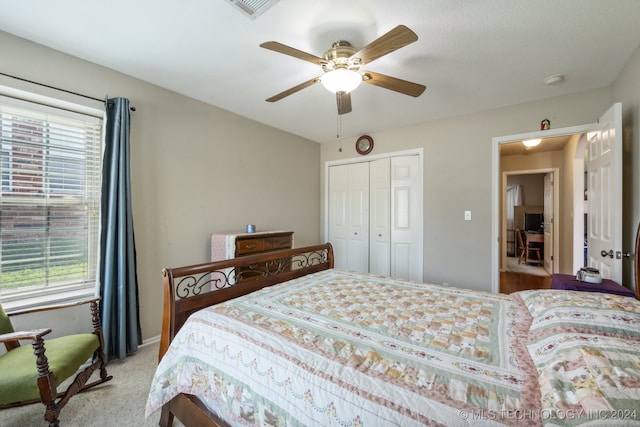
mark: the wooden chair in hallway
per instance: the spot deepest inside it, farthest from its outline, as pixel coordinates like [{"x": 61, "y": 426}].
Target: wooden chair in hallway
[{"x": 525, "y": 249}]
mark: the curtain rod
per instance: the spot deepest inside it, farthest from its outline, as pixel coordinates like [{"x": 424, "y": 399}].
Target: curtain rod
[{"x": 57, "y": 88}]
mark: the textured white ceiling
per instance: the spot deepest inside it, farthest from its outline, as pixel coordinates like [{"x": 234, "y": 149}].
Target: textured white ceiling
[{"x": 471, "y": 55}]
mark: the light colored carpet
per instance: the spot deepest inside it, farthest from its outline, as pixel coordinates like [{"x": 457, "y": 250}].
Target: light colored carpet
[
  {"x": 512, "y": 265},
  {"x": 119, "y": 402}
]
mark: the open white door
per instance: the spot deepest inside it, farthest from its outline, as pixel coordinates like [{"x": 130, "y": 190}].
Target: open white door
[{"x": 604, "y": 187}]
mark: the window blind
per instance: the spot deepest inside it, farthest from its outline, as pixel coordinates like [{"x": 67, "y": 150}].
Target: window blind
[{"x": 50, "y": 167}]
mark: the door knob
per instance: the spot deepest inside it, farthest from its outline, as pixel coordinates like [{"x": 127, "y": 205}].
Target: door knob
[{"x": 607, "y": 254}]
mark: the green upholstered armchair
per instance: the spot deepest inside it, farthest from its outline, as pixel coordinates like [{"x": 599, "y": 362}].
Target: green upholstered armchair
[{"x": 31, "y": 374}]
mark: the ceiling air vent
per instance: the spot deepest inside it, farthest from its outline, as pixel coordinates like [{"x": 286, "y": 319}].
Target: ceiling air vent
[{"x": 253, "y": 8}]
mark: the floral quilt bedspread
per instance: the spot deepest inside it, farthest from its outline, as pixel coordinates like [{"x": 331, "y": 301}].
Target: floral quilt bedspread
[
  {"x": 586, "y": 349},
  {"x": 349, "y": 349}
]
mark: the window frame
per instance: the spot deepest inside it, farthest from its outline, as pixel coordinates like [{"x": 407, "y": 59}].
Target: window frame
[{"x": 34, "y": 296}]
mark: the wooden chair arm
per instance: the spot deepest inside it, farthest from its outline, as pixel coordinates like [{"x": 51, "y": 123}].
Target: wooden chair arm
[
  {"x": 24, "y": 335},
  {"x": 53, "y": 306},
  {"x": 95, "y": 316}
]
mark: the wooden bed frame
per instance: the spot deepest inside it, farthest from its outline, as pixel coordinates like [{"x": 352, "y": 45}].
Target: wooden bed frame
[{"x": 189, "y": 289}]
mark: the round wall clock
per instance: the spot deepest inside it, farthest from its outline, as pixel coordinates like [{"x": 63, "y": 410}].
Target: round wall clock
[{"x": 364, "y": 144}]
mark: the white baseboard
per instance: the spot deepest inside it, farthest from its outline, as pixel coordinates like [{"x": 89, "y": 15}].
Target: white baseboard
[{"x": 150, "y": 341}]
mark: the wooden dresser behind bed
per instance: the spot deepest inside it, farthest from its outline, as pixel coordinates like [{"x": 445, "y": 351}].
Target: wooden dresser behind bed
[{"x": 235, "y": 245}]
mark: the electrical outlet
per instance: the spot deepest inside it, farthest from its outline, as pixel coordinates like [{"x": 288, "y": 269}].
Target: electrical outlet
[{"x": 467, "y": 215}]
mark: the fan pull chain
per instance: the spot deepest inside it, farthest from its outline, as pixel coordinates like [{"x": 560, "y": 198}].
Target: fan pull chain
[{"x": 339, "y": 131}]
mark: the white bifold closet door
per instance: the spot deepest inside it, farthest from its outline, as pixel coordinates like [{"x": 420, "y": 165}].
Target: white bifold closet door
[
  {"x": 349, "y": 215},
  {"x": 380, "y": 217},
  {"x": 375, "y": 216}
]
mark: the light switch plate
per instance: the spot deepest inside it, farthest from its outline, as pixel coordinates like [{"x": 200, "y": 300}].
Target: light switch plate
[{"x": 467, "y": 215}]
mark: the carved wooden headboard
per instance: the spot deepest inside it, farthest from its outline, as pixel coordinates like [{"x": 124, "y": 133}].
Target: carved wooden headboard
[{"x": 191, "y": 288}]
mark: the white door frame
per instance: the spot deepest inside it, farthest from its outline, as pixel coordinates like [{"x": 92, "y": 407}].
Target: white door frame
[
  {"x": 556, "y": 211},
  {"x": 414, "y": 152},
  {"x": 495, "y": 188}
]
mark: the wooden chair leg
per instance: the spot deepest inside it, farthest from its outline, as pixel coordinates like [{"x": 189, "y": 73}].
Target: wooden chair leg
[{"x": 46, "y": 384}]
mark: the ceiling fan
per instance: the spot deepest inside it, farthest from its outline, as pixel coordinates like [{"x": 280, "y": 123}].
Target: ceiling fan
[{"x": 341, "y": 65}]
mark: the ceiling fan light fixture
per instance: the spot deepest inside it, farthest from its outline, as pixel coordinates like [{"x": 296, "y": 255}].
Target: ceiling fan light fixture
[
  {"x": 529, "y": 143},
  {"x": 341, "y": 80}
]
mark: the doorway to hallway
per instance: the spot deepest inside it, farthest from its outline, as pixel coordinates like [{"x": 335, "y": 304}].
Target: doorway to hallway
[{"x": 581, "y": 163}]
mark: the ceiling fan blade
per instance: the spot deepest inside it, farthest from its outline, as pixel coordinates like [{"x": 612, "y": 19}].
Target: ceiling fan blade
[
  {"x": 288, "y": 50},
  {"x": 393, "y": 83},
  {"x": 399, "y": 37},
  {"x": 344, "y": 102},
  {"x": 293, "y": 90}
]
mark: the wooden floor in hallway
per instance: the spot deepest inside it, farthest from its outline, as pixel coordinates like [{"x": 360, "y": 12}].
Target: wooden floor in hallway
[{"x": 514, "y": 281}]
